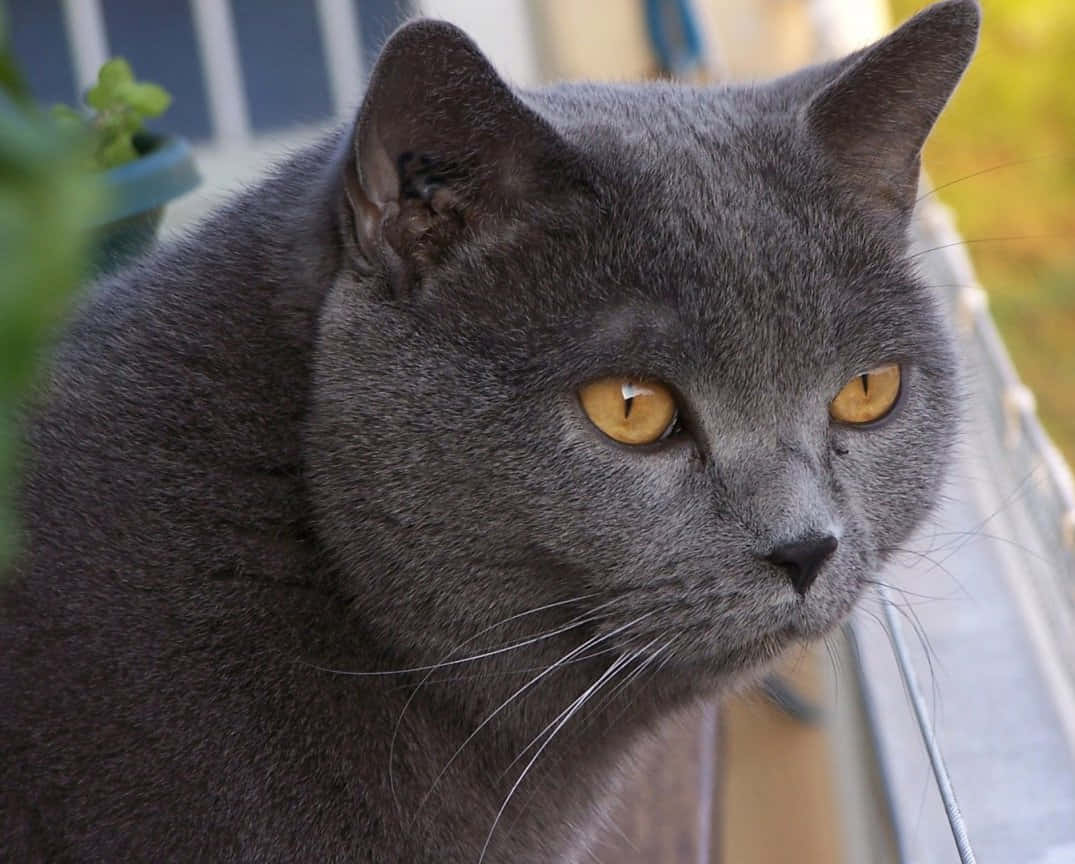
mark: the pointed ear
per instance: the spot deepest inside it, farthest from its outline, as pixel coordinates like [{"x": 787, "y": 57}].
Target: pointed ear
[
  {"x": 873, "y": 117},
  {"x": 442, "y": 145}
]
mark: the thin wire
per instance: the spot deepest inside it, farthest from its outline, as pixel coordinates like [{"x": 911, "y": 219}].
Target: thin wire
[{"x": 936, "y": 758}]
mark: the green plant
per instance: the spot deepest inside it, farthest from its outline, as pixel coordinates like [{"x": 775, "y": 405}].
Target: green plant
[
  {"x": 47, "y": 202},
  {"x": 122, "y": 105}
]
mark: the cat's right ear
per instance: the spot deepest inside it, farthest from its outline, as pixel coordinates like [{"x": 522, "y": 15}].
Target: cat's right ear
[{"x": 442, "y": 147}]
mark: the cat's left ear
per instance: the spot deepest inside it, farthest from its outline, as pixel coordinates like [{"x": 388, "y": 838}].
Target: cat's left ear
[
  {"x": 874, "y": 117},
  {"x": 443, "y": 147}
]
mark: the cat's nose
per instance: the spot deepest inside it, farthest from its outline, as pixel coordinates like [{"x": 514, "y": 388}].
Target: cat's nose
[{"x": 802, "y": 559}]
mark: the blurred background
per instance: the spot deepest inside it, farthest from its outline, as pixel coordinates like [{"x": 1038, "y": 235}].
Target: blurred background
[
  {"x": 1015, "y": 113},
  {"x": 821, "y": 764}
]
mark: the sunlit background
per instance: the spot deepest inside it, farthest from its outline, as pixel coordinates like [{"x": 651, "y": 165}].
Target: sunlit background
[{"x": 1013, "y": 118}]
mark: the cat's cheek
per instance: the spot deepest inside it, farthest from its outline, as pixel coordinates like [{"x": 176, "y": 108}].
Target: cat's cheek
[
  {"x": 862, "y": 497},
  {"x": 840, "y": 443},
  {"x": 892, "y": 481}
]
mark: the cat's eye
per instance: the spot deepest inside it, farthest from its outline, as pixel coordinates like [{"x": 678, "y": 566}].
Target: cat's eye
[
  {"x": 630, "y": 410},
  {"x": 867, "y": 397}
]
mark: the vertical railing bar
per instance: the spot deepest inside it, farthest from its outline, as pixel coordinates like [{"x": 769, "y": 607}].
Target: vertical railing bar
[
  {"x": 936, "y": 758},
  {"x": 219, "y": 49},
  {"x": 342, "y": 46},
  {"x": 87, "y": 39},
  {"x": 707, "y": 747}
]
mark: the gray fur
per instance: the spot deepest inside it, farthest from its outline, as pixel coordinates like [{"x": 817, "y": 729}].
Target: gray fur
[{"x": 335, "y": 428}]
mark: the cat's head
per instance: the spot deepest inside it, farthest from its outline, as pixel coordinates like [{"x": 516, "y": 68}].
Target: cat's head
[{"x": 656, "y": 346}]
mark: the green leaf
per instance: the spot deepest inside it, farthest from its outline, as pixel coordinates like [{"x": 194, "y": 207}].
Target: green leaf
[
  {"x": 110, "y": 79},
  {"x": 114, "y": 73},
  {"x": 47, "y": 204},
  {"x": 65, "y": 113},
  {"x": 68, "y": 119},
  {"x": 149, "y": 100},
  {"x": 10, "y": 80},
  {"x": 99, "y": 98},
  {"x": 118, "y": 151},
  {"x": 118, "y": 120}
]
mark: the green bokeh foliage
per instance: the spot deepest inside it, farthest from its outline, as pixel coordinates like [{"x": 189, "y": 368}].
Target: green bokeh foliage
[{"x": 47, "y": 202}]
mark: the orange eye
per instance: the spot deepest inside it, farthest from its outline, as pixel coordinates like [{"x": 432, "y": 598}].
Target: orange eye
[
  {"x": 867, "y": 397},
  {"x": 630, "y": 410}
]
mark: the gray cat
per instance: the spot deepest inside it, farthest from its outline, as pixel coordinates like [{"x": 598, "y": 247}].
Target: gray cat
[{"x": 383, "y": 516}]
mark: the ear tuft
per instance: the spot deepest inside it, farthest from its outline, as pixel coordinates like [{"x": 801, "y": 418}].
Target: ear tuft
[
  {"x": 873, "y": 119},
  {"x": 441, "y": 143}
]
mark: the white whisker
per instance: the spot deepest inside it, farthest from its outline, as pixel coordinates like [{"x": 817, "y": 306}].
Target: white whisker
[
  {"x": 432, "y": 669},
  {"x": 593, "y": 640},
  {"x": 573, "y": 709},
  {"x": 631, "y": 657}
]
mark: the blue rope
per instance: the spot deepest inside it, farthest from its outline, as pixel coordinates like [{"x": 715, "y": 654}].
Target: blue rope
[{"x": 676, "y": 36}]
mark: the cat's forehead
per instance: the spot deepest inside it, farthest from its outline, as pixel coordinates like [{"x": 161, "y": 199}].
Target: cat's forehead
[
  {"x": 708, "y": 205},
  {"x": 637, "y": 127},
  {"x": 714, "y": 178},
  {"x": 709, "y": 240}
]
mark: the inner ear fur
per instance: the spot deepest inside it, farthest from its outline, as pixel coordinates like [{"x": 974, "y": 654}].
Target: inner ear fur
[{"x": 442, "y": 144}]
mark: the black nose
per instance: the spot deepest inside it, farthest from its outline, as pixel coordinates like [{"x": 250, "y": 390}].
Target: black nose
[{"x": 802, "y": 559}]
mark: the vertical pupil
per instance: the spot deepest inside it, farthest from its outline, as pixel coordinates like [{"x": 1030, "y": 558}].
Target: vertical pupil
[
  {"x": 629, "y": 390},
  {"x": 865, "y": 378}
]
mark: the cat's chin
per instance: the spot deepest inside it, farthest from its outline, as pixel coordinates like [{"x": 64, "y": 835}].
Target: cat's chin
[
  {"x": 762, "y": 651},
  {"x": 724, "y": 666},
  {"x": 752, "y": 658}
]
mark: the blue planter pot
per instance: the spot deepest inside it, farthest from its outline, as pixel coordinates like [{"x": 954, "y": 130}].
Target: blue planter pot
[{"x": 139, "y": 191}]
